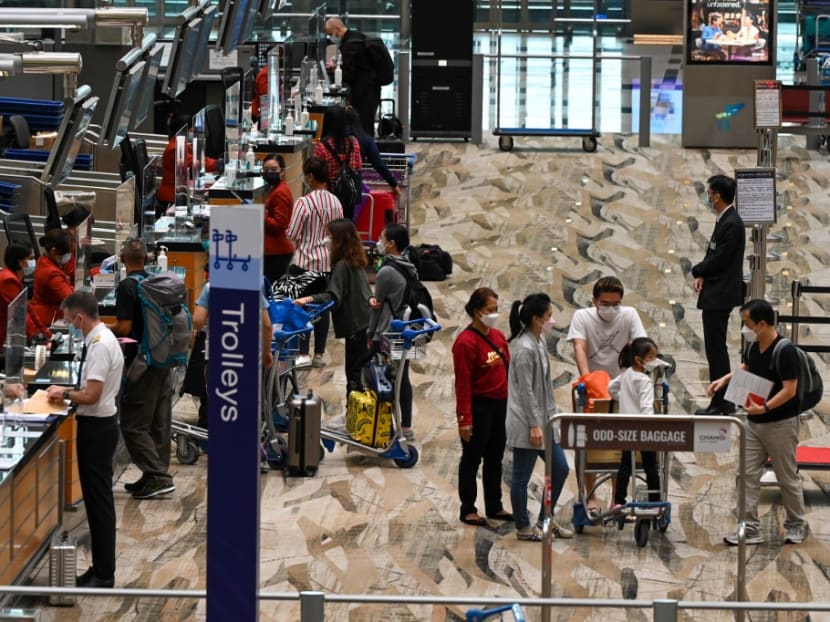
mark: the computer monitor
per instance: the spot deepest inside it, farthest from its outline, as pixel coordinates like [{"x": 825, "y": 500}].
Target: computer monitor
[
  {"x": 236, "y": 24},
  {"x": 148, "y": 84},
  {"x": 266, "y": 8},
  {"x": 70, "y": 136},
  {"x": 125, "y": 94},
  {"x": 180, "y": 64},
  {"x": 208, "y": 19}
]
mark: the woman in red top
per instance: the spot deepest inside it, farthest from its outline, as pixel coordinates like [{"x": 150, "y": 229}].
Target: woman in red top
[
  {"x": 480, "y": 360},
  {"x": 51, "y": 283},
  {"x": 166, "y": 193},
  {"x": 20, "y": 263},
  {"x": 346, "y": 148},
  {"x": 278, "y": 248}
]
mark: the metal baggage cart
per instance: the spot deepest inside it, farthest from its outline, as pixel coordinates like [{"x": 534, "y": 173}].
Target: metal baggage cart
[{"x": 401, "y": 166}]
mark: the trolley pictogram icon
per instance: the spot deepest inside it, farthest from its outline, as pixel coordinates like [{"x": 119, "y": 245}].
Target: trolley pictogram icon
[{"x": 229, "y": 237}]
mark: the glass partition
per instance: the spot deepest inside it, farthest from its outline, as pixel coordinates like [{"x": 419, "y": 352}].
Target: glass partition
[
  {"x": 273, "y": 97},
  {"x": 125, "y": 225},
  {"x": 181, "y": 173},
  {"x": 232, "y": 136},
  {"x": 148, "y": 201},
  {"x": 16, "y": 337}
]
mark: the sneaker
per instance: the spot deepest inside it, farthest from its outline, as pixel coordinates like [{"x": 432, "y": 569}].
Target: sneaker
[
  {"x": 302, "y": 361},
  {"x": 318, "y": 361},
  {"x": 136, "y": 485},
  {"x": 796, "y": 535},
  {"x": 529, "y": 534},
  {"x": 561, "y": 532},
  {"x": 154, "y": 487},
  {"x": 408, "y": 434},
  {"x": 750, "y": 537}
]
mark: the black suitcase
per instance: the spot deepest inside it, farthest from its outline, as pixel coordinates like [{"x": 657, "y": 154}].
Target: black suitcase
[
  {"x": 390, "y": 130},
  {"x": 304, "y": 447}
]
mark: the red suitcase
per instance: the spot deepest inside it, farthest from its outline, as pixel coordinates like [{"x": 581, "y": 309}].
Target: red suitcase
[{"x": 375, "y": 214}]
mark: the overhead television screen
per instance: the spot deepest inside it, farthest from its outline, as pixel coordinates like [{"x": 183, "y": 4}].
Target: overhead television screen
[
  {"x": 68, "y": 144},
  {"x": 730, "y": 32},
  {"x": 124, "y": 95},
  {"x": 180, "y": 65},
  {"x": 148, "y": 84},
  {"x": 236, "y": 24},
  {"x": 208, "y": 18}
]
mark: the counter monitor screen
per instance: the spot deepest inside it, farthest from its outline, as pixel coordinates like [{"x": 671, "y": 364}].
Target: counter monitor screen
[
  {"x": 126, "y": 90},
  {"x": 68, "y": 144},
  {"x": 730, "y": 32},
  {"x": 237, "y": 22},
  {"x": 208, "y": 19},
  {"x": 180, "y": 64},
  {"x": 148, "y": 84}
]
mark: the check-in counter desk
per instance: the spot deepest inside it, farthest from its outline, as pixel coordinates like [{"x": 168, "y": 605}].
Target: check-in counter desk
[
  {"x": 30, "y": 487},
  {"x": 246, "y": 189}
]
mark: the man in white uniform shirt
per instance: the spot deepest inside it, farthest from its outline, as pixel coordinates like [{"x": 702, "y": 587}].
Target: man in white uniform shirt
[
  {"x": 102, "y": 364},
  {"x": 598, "y": 335}
]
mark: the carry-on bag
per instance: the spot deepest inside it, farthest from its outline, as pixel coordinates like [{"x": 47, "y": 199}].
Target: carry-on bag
[
  {"x": 369, "y": 421},
  {"x": 304, "y": 413},
  {"x": 62, "y": 567}
]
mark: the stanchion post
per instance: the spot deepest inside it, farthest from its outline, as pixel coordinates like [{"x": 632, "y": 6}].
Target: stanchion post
[
  {"x": 312, "y": 606},
  {"x": 645, "y": 101},
  {"x": 665, "y": 610}
]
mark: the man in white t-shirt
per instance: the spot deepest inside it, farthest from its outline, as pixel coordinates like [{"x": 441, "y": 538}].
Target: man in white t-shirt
[
  {"x": 598, "y": 335},
  {"x": 95, "y": 397}
]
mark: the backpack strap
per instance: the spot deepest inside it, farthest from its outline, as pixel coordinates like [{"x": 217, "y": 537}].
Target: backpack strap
[
  {"x": 776, "y": 355},
  {"x": 402, "y": 271},
  {"x": 503, "y": 358},
  {"x": 334, "y": 153}
]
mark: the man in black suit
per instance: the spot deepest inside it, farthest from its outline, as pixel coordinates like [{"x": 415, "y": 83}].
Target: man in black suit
[{"x": 719, "y": 283}]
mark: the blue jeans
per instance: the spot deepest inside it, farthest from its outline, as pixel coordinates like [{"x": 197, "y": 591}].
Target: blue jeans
[{"x": 523, "y": 462}]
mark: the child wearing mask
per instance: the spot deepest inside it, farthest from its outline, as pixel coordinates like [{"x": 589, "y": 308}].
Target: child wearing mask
[
  {"x": 530, "y": 405},
  {"x": 633, "y": 390},
  {"x": 278, "y": 206}
]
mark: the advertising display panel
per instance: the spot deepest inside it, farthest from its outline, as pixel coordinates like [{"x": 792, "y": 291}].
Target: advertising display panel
[{"x": 730, "y": 32}]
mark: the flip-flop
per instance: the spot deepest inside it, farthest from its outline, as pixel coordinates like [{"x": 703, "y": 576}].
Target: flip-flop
[
  {"x": 475, "y": 522},
  {"x": 593, "y": 511},
  {"x": 503, "y": 515}
]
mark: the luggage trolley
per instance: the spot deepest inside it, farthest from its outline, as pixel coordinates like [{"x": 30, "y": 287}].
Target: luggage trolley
[
  {"x": 590, "y": 135},
  {"x": 376, "y": 211},
  {"x": 643, "y": 513},
  {"x": 280, "y": 383},
  {"x": 406, "y": 342}
]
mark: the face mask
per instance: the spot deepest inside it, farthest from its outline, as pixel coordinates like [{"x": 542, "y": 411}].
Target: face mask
[
  {"x": 490, "y": 319},
  {"x": 206, "y": 245},
  {"x": 29, "y": 268},
  {"x": 651, "y": 365},
  {"x": 381, "y": 246},
  {"x": 327, "y": 244},
  {"x": 335, "y": 40},
  {"x": 547, "y": 326},
  {"x": 608, "y": 313},
  {"x": 749, "y": 334},
  {"x": 75, "y": 332},
  {"x": 272, "y": 178},
  {"x": 65, "y": 258}
]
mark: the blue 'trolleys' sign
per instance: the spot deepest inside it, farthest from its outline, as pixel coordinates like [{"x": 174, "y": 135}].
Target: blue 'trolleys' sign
[{"x": 234, "y": 329}]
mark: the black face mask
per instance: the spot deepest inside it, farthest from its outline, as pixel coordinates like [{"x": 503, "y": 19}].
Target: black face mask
[{"x": 271, "y": 178}]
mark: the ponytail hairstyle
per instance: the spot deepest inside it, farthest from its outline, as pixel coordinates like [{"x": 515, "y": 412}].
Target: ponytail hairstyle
[
  {"x": 522, "y": 313},
  {"x": 639, "y": 347}
]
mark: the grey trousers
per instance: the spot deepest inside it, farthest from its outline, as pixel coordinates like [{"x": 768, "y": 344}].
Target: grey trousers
[
  {"x": 777, "y": 440},
  {"x": 146, "y": 416}
]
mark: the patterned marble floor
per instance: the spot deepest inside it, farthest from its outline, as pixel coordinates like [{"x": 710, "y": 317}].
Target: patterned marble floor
[{"x": 545, "y": 217}]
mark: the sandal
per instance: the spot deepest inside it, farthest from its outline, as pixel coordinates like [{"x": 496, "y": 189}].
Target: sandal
[
  {"x": 501, "y": 515},
  {"x": 475, "y": 520},
  {"x": 594, "y": 512},
  {"x": 529, "y": 534}
]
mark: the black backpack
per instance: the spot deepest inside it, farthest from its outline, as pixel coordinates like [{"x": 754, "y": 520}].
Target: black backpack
[
  {"x": 381, "y": 60},
  {"x": 416, "y": 296},
  {"x": 810, "y": 386},
  {"x": 432, "y": 262},
  {"x": 347, "y": 184}
]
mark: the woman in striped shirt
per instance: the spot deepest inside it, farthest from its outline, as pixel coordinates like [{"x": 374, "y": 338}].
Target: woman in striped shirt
[{"x": 308, "y": 229}]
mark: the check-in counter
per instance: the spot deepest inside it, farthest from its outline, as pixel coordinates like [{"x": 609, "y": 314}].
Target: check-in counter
[
  {"x": 250, "y": 189},
  {"x": 30, "y": 486}
]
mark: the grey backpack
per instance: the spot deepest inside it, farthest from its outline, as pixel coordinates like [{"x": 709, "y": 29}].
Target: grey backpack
[{"x": 168, "y": 325}]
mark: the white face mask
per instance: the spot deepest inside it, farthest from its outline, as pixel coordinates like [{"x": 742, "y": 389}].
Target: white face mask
[
  {"x": 652, "y": 364},
  {"x": 749, "y": 334},
  {"x": 547, "y": 326},
  {"x": 490, "y": 319},
  {"x": 607, "y": 314},
  {"x": 327, "y": 244},
  {"x": 65, "y": 258},
  {"x": 381, "y": 246},
  {"x": 29, "y": 268}
]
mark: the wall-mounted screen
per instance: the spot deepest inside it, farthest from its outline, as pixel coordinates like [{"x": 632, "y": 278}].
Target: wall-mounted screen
[
  {"x": 730, "y": 32},
  {"x": 68, "y": 143},
  {"x": 148, "y": 84},
  {"x": 180, "y": 63},
  {"x": 125, "y": 93},
  {"x": 236, "y": 24},
  {"x": 199, "y": 56}
]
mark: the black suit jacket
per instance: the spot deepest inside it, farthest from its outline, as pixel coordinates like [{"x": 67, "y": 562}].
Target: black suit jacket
[
  {"x": 722, "y": 268},
  {"x": 358, "y": 71}
]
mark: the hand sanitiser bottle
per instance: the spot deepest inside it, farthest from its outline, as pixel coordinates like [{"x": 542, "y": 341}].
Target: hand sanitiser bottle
[
  {"x": 250, "y": 158},
  {"x": 289, "y": 124},
  {"x": 338, "y": 72},
  {"x": 161, "y": 261}
]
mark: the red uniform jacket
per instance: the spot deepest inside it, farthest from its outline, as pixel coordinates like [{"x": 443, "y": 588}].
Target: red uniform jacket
[
  {"x": 51, "y": 288},
  {"x": 10, "y": 288},
  {"x": 278, "y": 208},
  {"x": 260, "y": 89},
  {"x": 167, "y": 189}
]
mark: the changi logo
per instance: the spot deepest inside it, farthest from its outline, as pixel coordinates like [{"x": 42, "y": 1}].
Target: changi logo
[
  {"x": 724, "y": 119},
  {"x": 721, "y": 435}
]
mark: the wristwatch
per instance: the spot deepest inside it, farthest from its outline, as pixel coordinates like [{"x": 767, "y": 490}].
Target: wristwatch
[
  {"x": 66, "y": 394},
  {"x": 766, "y": 407}
]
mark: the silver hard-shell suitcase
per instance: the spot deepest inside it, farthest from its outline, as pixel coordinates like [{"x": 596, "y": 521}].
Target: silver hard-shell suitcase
[
  {"x": 62, "y": 566},
  {"x": 304, "y": 449}
]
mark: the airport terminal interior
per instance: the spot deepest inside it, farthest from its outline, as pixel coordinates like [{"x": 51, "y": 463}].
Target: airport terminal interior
[{"x": 546, "y": 216}]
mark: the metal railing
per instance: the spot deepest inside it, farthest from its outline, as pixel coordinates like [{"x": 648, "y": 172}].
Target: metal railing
[{"x": 796, "y": 319}]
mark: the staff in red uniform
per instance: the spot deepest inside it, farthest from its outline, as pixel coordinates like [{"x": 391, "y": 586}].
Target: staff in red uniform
[
  {"x": 20, "y": 263},
  {"x": 166, "y": 193},
  {"x": 480, "y": 360},
  {"x": 51, "y": 283},
  {"x": 278, "y": 206}
]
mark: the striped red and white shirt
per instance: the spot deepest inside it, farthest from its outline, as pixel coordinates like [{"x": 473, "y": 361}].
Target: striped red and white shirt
[{"x": 311, "y": 215}]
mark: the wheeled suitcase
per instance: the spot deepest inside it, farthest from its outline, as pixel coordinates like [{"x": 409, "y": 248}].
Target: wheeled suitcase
[
  {"x": 304, "y": 447},
  {"x": 390, "y": 130},
  {"x": 375, "y": 215},
  {"x": 62, "y": 567},
  {"x": 369, "y": 421}
]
